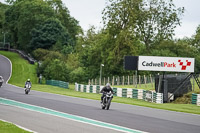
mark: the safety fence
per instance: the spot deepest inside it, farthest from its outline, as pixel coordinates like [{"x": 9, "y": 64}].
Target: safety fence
[
  {"x": 22, "y": 53},
  {"x": 146, "y": 81},
  {"x": 57, "y": 83},
  {"x": 124, "y": 92},
  {"x": 196, "y": 99}
]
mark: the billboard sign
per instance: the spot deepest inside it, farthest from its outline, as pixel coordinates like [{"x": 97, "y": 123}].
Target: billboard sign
[{"x": 171, "y": 64}]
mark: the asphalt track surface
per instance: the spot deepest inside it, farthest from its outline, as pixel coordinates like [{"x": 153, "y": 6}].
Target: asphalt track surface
[{"x": 134, "y": 117}]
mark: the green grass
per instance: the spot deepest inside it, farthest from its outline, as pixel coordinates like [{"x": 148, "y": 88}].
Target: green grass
[
  {"x": 6, "y": 127},
  {"x": 21, "y": 69},
  {"x": 19, "y": 62}
]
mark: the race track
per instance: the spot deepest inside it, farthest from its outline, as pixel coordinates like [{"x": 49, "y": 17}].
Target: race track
[{"x": 133, "y": 117}]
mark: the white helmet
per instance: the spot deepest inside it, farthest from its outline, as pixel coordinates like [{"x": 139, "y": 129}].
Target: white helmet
[{"x": 107, "y": 85}]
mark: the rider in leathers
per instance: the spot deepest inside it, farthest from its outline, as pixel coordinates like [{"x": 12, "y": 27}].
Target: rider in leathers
[
  {"x": 105, "y": 89},
  {"x": 28, "y": 82}
]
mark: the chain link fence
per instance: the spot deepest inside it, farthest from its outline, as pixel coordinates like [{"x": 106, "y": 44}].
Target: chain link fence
[
  {"x": 135, "y": 81},
  {"x": 140, "y": 81}
]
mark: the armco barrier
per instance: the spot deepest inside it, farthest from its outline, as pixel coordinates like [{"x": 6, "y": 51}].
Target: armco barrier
[
  {"x": 115, "y": 91},
  {"x": 124, "y": 92},
  {"x": 129, "y": 92},
  {"x": 23, "y": 54},
  {"x": 61, "y": 84},
  {"x": 135, "y": 93},
  {"x": 195, "y": 99}
]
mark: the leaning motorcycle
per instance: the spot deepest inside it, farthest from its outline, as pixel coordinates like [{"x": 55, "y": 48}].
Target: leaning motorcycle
[
  {"x": 107, "y": 100},
  {"x": 27, "y": 88}
]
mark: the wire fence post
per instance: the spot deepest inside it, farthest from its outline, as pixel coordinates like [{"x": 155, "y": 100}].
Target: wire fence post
[
  {"x": 145, "y": 81},
  {"x": 128, "y": 80},
  {"x": 113, "y": 80},
  {"x": 139, "y": 82},
  {"x": 118, "y": 80}
]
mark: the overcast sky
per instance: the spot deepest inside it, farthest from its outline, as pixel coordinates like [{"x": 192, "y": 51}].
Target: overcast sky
[{"x": 88, "y": 12}]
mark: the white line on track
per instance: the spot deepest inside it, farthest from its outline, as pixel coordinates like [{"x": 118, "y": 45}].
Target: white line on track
[{"x": 19, "y": 126}]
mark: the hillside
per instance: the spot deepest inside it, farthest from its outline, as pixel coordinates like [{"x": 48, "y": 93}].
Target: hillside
[{"x": 21, "y": 69}]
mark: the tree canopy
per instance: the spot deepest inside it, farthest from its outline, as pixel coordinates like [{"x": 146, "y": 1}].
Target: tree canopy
[
  {"x": 48, "y": 34},
  {"x": 46, "y": 29},
  {"x": 23, "y": 16},
  {"x": 151, "y": 21}
]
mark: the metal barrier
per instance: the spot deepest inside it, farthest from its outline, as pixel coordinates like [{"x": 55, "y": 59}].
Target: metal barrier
[
  {"x": 124, "y": 92},
  {"x": 23, "y": 54},
  {"x": 57, "y": 83}
]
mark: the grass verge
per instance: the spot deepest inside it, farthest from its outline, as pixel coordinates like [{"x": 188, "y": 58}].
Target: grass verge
[
  {"x": 6, "y": 127},
  {"x": 188, "y": 108},
  {"x": 21, "y": 69}
]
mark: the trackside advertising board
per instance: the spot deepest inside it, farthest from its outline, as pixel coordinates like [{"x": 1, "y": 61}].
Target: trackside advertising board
[{"x": 172, "y": 64}]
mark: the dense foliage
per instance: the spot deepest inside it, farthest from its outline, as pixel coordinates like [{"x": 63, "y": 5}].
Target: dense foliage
[
  {"x": 49, "y": 33},
  {"x": 46, "y": 29}
]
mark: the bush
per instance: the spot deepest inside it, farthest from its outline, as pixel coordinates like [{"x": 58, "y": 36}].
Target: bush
[
  {"x": 56, "y": 70},
  {"x": 78, "y": 75}
]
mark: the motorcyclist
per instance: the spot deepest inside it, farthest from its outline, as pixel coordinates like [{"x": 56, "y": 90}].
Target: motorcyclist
[
  {"x": 28, "y": 82},
  {"x": 1, "y": 81},
  {"x": 105, "y": 90}
]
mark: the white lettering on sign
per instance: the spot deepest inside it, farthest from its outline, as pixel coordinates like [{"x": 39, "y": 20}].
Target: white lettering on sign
[{"x": 173, "y": 64}]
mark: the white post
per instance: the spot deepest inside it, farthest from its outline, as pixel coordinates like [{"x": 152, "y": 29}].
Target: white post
[
  {"x": 118, "y": 80},
  {"x": 92, "y": 82},
  {"x": 100, "y": 73}
]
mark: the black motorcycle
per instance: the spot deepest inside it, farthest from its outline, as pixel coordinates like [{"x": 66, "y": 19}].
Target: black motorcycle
[
  {"x": 1, "y": 83},
  {"x": 107, "y": 100},
  {"x": 27, "y": 88}
]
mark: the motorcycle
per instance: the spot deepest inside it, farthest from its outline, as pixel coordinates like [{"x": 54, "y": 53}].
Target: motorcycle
[
  {"x": 1, "y": 83},
  {"x": 107, "y": 100},
  {"x": 27, "y": 88}
]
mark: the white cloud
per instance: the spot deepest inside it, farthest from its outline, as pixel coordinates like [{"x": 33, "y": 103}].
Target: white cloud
[
  {"x": 87, "y": 12},
  {"x": 191, "y": 18}
]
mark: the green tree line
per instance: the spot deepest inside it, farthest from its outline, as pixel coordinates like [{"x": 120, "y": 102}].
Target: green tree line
[{"x": 46, "y": 30}]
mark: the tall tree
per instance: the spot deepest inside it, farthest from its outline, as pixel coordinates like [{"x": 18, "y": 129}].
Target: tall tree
[
  {"x": 120, "y": 18},
  {"x": 151, "y": 21},
  {"x": 48, "y": 34},
  {"x": 62, "y": 13},
  {"x": 3, "y": 8},
  {"x": 98, "y": 48},
  {"x": 196, "y": 39},
  {"x": 157, "y": 20},
  {"x": 23, "y": 16}
]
